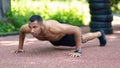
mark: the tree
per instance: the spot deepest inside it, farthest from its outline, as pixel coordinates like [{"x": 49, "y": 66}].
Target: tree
[{"x": 4, "y": 7}]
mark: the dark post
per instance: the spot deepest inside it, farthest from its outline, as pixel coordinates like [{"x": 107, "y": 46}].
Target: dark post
[
  {"x": 4, "y": 7},
  {"x": 101, "y": 15}
]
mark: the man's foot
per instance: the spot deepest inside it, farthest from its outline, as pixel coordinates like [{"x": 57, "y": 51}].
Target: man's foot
[{"x": 102, "y": 38}]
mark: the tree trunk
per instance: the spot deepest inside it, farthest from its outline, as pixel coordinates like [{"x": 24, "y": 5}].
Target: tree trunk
[{"x": 5, "y": 5}]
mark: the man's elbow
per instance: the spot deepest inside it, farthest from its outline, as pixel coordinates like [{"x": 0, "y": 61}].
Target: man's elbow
[{"x": 78, "y": 30}]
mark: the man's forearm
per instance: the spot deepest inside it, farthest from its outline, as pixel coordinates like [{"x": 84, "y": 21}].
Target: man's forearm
[
  {"x": 21, "y": 40},
  {"x": 78, "y": 40},
  {"x": 78, "y": 46}
]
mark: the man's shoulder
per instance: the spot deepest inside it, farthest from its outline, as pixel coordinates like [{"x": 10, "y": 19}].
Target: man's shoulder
[
  {"x": 25, "y": 28},
  {"x": 51, "y": 21},
  {"x": 56, "y": 23}
]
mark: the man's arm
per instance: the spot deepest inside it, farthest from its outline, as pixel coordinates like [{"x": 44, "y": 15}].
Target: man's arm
[
  {"x": 77, "y": 34},
  {"x": 76, "y": 31},
  {"x": 21, "y": 40},
  {"x": 24, "y": 29}
]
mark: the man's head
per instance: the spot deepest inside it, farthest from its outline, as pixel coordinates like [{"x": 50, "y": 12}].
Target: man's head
[
  {"x": 35, "y": 24},
  {"x": 36, "y": 18}
]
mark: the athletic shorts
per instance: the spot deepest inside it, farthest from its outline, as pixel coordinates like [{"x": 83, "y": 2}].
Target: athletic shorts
[{"x": 67, "y": 40}]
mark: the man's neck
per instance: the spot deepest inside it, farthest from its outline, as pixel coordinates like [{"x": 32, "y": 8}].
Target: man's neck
[{"x": 43, "y": 29}]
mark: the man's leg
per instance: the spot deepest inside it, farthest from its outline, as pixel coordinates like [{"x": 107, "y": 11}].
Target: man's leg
[{"x": 90, "y": 36}]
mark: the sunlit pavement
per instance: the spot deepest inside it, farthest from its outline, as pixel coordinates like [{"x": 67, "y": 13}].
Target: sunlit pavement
[{"x": 41, "y": 54}]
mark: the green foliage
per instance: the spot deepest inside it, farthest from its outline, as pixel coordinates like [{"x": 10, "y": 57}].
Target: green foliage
[
  {"x": 68, "y": 16},
  {"x": 16, "y": 19},
  {"x": 71, "y": 12},
  {"x": 6, "y": 27},
  {"x": 65, "y": 11},
  {"x": 115, "y": 6}
]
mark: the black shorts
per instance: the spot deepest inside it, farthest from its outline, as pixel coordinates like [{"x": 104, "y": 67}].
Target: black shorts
[{"x": 67, "y": 40}]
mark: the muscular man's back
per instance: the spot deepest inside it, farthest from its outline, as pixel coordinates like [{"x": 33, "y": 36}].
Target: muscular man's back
[{"x": 52, "y": 30}]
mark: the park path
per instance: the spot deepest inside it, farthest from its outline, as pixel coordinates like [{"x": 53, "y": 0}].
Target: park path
[{"x": 41, "y": 54}]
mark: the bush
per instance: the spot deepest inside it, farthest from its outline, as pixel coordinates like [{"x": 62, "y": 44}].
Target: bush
[
  {"x": 6, "y": 27},
  {"x": 72, "y": 17},
  {"x": 16, "y": 19},
  {"x": 73, "y": 12},
  {"x": 115, "y": 6}
]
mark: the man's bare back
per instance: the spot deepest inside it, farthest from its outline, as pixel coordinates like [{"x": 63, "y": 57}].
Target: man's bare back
[
  {"x": 51, "y": 30},
  {"x": 54, "y": 31}
]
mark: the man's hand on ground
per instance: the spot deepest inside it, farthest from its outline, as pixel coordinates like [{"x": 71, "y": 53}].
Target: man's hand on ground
[
  {"x": 75, "y": 54},
  {"x": 19, "y": 51}
]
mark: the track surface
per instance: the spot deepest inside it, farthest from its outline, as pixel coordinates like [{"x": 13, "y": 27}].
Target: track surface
[{"x": 42, "y": 54}]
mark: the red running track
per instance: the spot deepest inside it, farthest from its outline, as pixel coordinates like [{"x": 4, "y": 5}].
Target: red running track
[{"x": 39, "y": 54}]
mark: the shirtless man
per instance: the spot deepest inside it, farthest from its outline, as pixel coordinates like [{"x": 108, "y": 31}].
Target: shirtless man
[{"x": 58, "y": 34}]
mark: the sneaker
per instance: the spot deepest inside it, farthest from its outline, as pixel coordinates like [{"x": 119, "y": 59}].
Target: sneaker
[{"x": 102, "y": 38}]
